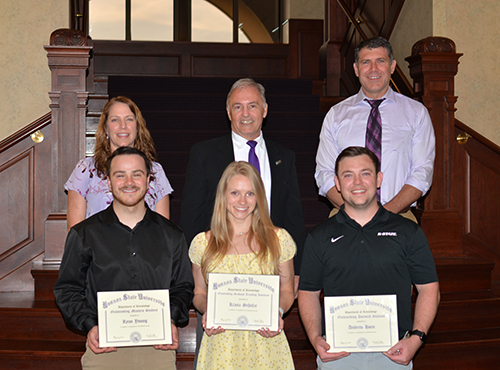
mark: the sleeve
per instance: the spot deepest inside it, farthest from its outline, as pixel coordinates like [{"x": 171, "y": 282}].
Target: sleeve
[
  {"x": 420, "y": 260},
  {"x": 311, "y": 274},
  {"x": 79, "y": 179},
  {"x": 287, "y": 244},
  {"x": 327, "y": 155},
  {"x": 195, "y": 196},
  {"x": 181, "y": 285},
  {"x": 160, "y": 187},
  {"x": 197, "y": 248},
  {"x": 70, "y": 288},
  {"x": 423, "y": 152}
]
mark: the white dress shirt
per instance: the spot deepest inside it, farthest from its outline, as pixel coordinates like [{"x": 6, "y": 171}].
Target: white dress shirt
[
  {"x": 241, "y": 149},
  {"x": 408, "y": 142}
]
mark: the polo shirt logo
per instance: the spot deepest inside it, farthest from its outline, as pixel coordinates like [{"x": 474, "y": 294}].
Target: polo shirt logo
[{"x": 387, "y": 233}]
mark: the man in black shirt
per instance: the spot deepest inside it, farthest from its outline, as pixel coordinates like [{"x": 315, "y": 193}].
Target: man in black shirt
[
  {"x": 125, "y": 247},
  {"x": 366, "y": 250}
]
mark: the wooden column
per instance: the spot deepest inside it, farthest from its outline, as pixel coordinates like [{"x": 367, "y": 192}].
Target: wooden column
[
  {"x": 433, "y": 66},
  {"x": 329, "y": 54},
  {"x": 68, "y": 56}
]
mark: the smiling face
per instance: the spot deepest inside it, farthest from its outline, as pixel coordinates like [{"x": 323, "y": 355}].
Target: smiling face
[
  {"x": 357, "y": 181},
  {"x": 240, "y": 199},
  {"x": 246, "y": 111},
  {"x": 121, "y": 126},
  {"x": 374, "y": 70},
  {"x": 128, "y": 180}
]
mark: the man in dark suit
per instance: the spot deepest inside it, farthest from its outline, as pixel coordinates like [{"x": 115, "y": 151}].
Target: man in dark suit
[{"x": 246, "y": 108}]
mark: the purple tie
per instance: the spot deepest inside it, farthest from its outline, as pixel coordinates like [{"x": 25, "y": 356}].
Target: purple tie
[
  {"x": 252, "y": 157},
  {"x": 373, "y": 139}
]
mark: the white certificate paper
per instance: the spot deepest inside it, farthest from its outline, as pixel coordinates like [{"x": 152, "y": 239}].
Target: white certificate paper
[
  {"x": 134, "y": 318},
  {"x": 243, "y": 302},
  {"x": 361, "y": 323}
]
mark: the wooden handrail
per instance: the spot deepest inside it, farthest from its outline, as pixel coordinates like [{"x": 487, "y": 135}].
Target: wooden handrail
[
  {"x": 477, "y": 136},
  {"x": 25, "y": 132}
]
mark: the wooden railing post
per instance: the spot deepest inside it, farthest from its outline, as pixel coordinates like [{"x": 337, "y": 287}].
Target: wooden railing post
[
  {"x": 433, "y": 66},
  {"x": 329, "y": 54},
  {"x": 68, "y": 56}
]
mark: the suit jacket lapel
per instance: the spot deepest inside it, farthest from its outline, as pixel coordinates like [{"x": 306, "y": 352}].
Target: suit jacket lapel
[
  {"x": 225, "y": 153},
  {"x": 275, "y": 163}
]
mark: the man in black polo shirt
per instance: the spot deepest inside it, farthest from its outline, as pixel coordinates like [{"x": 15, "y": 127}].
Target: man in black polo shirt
[
  {"x": 367, "y": 250},
  {"x": 125, "y": 247}
]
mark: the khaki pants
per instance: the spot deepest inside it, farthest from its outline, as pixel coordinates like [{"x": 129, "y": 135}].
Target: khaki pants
[{"x": 130, "y": 358}]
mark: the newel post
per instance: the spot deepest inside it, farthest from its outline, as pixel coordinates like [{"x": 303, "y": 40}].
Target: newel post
[
  {"x": 433, "y": 66},
  {"x": 68, "y": 59}
]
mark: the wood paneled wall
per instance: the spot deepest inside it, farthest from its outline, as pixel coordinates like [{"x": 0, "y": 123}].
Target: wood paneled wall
[
  {"x": 25, "y": 202},
  {"x": 298, "y": 59},
  {"x": 477, "y": 180}
]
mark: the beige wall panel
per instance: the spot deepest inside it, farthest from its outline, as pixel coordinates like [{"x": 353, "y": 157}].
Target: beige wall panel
[
  {"x": 473, "y": 25},
  {"x": 25, "y": 27},
  {"x": 305, "y": 9},
  {"x": 414, "y": 23}
]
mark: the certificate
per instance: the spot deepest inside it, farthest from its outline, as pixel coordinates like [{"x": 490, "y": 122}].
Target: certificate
[
  {"x": 134, "y": 318},
  {"x": 361, "y": 323},
  {"x": 243, "y": 302}
]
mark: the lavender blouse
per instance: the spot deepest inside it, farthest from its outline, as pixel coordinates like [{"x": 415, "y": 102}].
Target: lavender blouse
[{"x": 95, "y": 191}]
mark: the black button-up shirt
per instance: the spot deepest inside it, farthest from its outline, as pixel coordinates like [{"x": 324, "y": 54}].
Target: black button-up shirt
[{"x": 102, "y": 254}]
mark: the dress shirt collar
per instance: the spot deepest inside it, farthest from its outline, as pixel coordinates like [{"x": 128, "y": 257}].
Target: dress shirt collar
[
  {"x": 109, "y": 216},
  {"x": 360, "y": 96},
  {"x": 241, "y": 142}
]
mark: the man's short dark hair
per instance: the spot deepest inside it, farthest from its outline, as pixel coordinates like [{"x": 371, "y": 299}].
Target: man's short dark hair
[
  {"x": 374, "y": 43},
  {"x": 355, "y": 151},
  {"x": 126, "y": 150}
]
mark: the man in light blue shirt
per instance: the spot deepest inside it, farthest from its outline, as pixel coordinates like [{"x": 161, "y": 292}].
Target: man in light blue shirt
[{"x": 408, "y": 141}]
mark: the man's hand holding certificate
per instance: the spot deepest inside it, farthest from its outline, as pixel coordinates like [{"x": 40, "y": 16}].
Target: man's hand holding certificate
[
  {"x": 361, "y": 323},
  {"x": 243, "y": 302},
  {"x": 134, "y": 318}
]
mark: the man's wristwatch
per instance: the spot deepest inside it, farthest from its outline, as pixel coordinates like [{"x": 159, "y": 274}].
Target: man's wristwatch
[{"x": 420, "y": 334}]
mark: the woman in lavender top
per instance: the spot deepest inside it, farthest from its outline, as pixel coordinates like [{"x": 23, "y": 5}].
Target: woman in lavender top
[{"x": 121, "y": 124}]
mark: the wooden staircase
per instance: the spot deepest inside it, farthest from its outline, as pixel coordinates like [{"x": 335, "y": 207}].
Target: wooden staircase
[{"x": 464, "y": 335}]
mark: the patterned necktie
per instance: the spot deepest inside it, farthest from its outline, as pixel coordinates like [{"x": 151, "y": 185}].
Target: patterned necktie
[
  {"x": 373, "y": 139},
  {"x": 252, "y": 157}
]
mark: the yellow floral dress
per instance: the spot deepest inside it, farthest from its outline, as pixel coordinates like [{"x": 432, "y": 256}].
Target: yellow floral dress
[{"x": 238, "y": 349}]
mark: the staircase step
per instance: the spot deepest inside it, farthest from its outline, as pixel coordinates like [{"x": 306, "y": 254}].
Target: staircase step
[
  {"x": 467, "y": 315},
  {"x": 217, "y": 102},
  {"x": 464, "y": 274},
  {"x": 467, "y": 278},
  {"x": 466, "y": 355},
  {"x": 41, "y": 354},
  {"x": 194, "y": 119},
  {"x": 220, "y": 85},
  {"x": 41, "y": 323}
]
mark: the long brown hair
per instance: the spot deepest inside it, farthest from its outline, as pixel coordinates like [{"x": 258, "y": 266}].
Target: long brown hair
[
  {"x": 262, "y": 229},
  {"x": 143, "y": 140}
]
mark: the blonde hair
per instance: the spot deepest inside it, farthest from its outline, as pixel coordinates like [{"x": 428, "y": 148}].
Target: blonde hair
[
  {"x": 143, "y": 140},
  {"x": 262, "y": 229}
]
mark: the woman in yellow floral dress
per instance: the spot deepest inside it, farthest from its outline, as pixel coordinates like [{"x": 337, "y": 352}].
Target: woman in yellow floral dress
[{"x": 243, "y": 240}]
